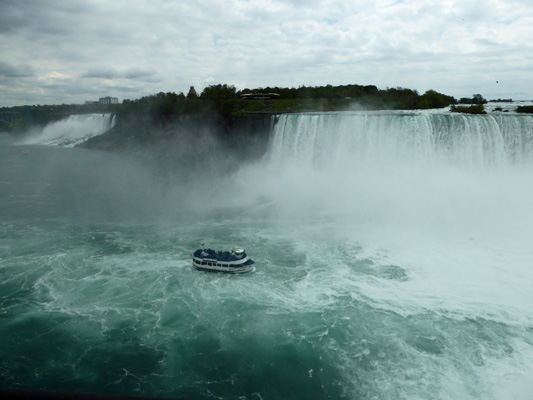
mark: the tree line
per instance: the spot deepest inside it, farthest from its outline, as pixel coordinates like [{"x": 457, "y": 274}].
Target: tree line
[{"x": 226, "y": 101}]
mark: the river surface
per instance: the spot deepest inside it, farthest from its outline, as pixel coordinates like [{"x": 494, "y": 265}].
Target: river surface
[{"x": 394, "y": 260}]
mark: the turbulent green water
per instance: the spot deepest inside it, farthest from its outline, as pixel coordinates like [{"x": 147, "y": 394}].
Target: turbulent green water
[{"x": 394, "y": 259}]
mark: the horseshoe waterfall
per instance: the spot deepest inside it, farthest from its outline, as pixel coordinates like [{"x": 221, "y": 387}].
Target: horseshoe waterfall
[{"x": 393, "y": 251}]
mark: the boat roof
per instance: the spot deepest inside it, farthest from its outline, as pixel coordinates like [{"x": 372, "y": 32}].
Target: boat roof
[{"x": 220, "y": 255}]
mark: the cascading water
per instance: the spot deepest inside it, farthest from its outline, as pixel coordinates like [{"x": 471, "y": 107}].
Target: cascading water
[
  {"x": 384, "y": 165},
  {"x": 440, "y": 201},
  {"x": 73, "y": 130},
  {"x": 393, "y": 256},
  {"x": 433, "y": 192},
  {"x": 463, "y": 140}
]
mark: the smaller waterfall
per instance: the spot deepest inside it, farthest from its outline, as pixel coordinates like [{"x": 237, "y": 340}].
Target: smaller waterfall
[{"x": 73, "y": 130}]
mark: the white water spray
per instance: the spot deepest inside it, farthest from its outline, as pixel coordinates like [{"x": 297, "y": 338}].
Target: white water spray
[
  {"x": 447, "y": 197},
  {"x": 400, "y": 168},
  {"x": 394, "y": 261},
  {"x": 73, "y": 130}
]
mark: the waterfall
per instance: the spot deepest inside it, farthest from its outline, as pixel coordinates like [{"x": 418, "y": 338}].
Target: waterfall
[
  {"x": 73, "y": 130},
  {"x": 424, "y": 169},
  {"x": 330, "y": 140}
]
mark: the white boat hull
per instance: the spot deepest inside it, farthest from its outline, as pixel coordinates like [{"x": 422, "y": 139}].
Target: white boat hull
[
  {"x": 228, "y": 270},
  {"x": 231, "y": 267}
]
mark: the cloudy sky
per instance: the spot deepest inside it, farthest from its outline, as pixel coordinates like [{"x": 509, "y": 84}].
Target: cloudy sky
[{"x": 57, "y": 51}]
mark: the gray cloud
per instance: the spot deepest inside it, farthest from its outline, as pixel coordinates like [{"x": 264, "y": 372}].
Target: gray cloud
[
  {"x": 104, "y": 73},
  {"x": 19, "y": 71},
  {"x": 130, "y": 74},
  {"x": 130, "y": 49}
]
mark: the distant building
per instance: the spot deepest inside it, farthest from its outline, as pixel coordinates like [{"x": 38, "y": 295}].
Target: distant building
[
  {"x": 108, "y": 100},
  {"x": 260, "y": 96}
]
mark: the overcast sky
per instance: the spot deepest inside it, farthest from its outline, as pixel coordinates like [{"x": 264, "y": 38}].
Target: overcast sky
[{"x": 59, "y": 51}]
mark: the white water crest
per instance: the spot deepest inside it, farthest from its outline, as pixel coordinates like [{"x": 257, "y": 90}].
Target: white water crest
[{"x": 73, "y": 130}]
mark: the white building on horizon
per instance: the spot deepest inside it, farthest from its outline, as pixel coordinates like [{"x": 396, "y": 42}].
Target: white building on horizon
[{"x": 108, "y": 100}]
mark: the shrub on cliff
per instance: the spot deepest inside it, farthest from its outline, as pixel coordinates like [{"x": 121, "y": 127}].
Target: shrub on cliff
[
  {"x": 473, "y": 109},
  {"x": 525, "y": 109}
]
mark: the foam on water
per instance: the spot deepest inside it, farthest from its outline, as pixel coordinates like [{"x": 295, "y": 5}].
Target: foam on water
[
  {"x": 390, "y": 265},
  {"x": 441, "y": 202},
  {"x": 446, "y": 195}
]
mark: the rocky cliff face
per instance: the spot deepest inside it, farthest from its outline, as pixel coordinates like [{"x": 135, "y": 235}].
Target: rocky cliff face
[{"x": 193, "y": 141}]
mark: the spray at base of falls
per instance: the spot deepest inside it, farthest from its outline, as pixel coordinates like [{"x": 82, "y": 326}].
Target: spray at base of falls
[{"x": 390, "y": 265}]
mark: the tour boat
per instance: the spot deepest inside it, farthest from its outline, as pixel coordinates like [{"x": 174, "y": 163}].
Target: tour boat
[{"x": 234, "y": 262}]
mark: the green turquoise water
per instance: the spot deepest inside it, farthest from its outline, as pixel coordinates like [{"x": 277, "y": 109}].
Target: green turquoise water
[{"x": 402, "y": 273}]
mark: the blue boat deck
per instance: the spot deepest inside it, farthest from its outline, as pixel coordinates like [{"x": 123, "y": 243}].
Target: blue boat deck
[{"x": 218, "y": 255}]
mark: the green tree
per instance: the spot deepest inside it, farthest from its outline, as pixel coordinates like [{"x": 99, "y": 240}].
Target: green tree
[
  {"x": 478, "y": 99},
  {"x": 192, "y": 95},
  {"x": 219, "y": 93},
  {"x": 433, "y": 99}
]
